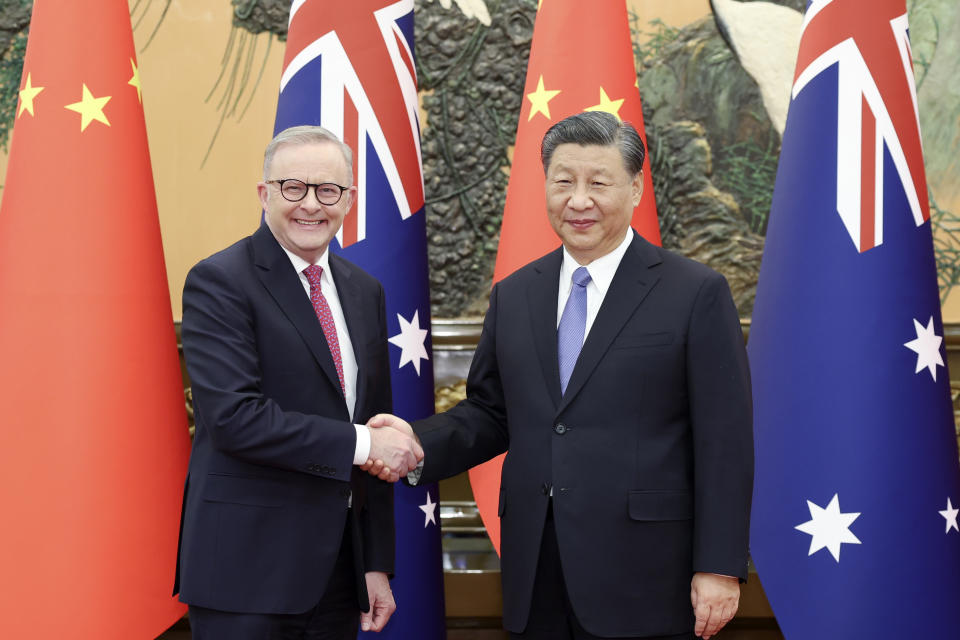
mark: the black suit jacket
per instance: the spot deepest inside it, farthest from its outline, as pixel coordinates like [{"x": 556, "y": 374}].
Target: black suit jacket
[
  {"x": 271, "y": 472},
  {"x": 649, "y": 453}
]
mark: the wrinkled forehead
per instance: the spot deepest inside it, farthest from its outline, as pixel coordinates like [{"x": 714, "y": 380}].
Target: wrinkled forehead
[
  {"x": 587, "y": 158},
  {"x": 308, "y": 157}
]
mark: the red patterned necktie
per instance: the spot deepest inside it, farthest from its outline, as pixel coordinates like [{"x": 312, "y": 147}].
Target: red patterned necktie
[{"x": 320, "y": 306}]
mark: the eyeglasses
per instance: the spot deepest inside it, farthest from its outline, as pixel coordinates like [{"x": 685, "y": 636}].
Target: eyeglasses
[{"x": 294, "y": 190}]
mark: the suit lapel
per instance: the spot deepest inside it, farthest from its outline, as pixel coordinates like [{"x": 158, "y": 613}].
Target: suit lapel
[
  {"x": 631, "y": 284},
  {"x": 542, "y": 299},
  {"x": 283, "y": 283}
]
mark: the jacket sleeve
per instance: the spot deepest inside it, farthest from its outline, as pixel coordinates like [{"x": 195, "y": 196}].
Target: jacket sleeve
[
  {"x": 475, "y": 430},
  {"x": 721, "y": 415}
]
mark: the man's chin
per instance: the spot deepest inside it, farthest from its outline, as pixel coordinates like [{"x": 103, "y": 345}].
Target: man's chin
[
  {"x": 312, "y": 239},
  {"x": 580, "y": 243},
  {"x": 309, "y": 250}
]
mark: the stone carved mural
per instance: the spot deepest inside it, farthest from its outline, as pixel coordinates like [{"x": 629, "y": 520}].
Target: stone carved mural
[
  {"x": 713, "y": 153},
  {"x": 471, "y": 82}
]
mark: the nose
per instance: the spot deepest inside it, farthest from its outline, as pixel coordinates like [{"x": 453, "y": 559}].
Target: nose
[
  {"x": 580, "y": 198},
  {"x": 310, "y": 201}
]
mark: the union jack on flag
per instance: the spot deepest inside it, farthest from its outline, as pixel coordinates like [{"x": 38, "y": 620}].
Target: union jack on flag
[
  {"x": 877, "y": 106},
  {"x": 854, "y": 530},
  {"x": 349, "y": 67},
  {"x": 360, "y": 68}
]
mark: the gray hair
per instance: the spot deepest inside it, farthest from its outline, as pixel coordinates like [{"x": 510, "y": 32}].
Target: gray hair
[
  {"x": 306, "y": 134},
  {"x": 595, "y": 128}
]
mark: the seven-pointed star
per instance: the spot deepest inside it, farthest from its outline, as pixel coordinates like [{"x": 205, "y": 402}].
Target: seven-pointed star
[
  {"x": 135, "y": 80},
  {"x": 829, "y": 528},
  {"x": 606, "y": 104},
  {"x": 950, "y": 515},
  {"x": 540, "y": 99},
  {"x": 90, "y": 108},
  {"x": 412, "y": 342},
  {"x": 27, "y": 94},
  {"x": 430, "y": 510},
  {"x": 927, "y": 347}
]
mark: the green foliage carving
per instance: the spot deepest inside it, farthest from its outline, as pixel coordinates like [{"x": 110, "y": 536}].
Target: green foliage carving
[{"x": 14, "y": 23}]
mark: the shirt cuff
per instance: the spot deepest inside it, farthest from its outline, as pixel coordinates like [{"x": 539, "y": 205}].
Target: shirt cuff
[
  {"x": 362, "y": 452},
  {"x": 413, "y": 478}
]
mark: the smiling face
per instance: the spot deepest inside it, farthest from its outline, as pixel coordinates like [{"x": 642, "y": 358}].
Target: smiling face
[
  {"x": 305, "y": 228},
  {"x": 590, "y": 199}
]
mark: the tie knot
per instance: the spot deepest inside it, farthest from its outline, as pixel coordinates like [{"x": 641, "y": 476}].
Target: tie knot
[
  {"x": 581, "y": 277},
  {"x": 313, "y": 273}
]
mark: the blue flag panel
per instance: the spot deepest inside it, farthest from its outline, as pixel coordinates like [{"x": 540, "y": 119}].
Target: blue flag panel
[
  {"x": 349, "y": 68},
  {"x": 854, "y": 527}
]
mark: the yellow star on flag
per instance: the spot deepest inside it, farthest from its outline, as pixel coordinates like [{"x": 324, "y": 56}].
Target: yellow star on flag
[
  {"x": 135, "y": 80},
  {"x": 539, "y": 100},
  {"x": 606, "y": 104},
  {"x": 27, "y": 94},
  {"x": 90, "y": 108}
]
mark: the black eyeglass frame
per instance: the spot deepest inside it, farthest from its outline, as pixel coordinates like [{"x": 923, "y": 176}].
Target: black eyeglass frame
[{"x": 307, "y": 185}]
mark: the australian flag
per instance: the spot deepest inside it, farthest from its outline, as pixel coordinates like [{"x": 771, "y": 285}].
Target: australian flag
[
  {"x": 349, "y": 67},
  {"x": 854, "y": 528}
]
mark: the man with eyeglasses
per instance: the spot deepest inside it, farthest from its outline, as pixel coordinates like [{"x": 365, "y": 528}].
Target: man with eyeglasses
[{"x": 282, "y": 536}]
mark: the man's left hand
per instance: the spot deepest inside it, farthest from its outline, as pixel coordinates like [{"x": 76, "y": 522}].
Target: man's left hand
[
  {"x": 715, "y": 600},
  {"x": 382, "y": 605}
]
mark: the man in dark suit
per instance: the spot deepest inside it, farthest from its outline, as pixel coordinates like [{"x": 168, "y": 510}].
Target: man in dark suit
[
  {"x": 286, "y": 347},
  {"x": 615, "y": 373}
]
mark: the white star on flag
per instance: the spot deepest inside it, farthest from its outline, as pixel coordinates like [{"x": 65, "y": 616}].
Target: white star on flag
[
  {"x": 430, "y": 510},
  {"x": 412, "y": 342},
  {"x": 829, "y": 528},
  {"x": 927, "y": 347},
  {"x": 950, "y": 515}
]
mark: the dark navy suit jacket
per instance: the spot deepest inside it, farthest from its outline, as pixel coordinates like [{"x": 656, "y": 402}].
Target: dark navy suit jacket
[
  {"x": 649, "y": 453},
  {"x": 271, "y": 472}
]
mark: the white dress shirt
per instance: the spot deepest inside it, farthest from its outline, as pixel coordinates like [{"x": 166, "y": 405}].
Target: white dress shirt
[
  {"x": 347, "y": 357},
  {"x": 601, "y": 273}
]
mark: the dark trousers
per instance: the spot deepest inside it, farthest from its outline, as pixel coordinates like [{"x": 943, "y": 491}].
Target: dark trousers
[
  {"x": 551, "y": 614},
  {"x": 335, "y": 617}
]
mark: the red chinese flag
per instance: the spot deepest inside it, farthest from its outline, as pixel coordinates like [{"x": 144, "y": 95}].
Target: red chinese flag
[
  {"x": 93, "y": 435},
  {"x": 581, "y": 59}
]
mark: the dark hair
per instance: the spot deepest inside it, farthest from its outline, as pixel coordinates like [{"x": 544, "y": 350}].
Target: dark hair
[{"x": 595, "y": 128}]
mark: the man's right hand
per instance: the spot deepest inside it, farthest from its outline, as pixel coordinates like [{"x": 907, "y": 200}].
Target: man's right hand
[{"x": 394, "y": 448}]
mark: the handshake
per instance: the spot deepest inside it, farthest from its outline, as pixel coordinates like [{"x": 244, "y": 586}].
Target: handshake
[{"x": 394, "y": 448}]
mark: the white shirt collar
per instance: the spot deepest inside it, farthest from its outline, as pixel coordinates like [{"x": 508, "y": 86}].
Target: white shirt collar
[
  {"x": 602, "y": 269},
  {"x": 299, "y": 264}
]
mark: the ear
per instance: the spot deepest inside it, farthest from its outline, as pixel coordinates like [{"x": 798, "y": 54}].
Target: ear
[
  {"x": 350, "y": 196},
  {"x": 263, "y": 193},
  {"x": 636, "y": 187}
]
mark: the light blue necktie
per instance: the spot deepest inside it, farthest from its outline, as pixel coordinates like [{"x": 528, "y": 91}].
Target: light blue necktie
[{"x": 573, "y": 323}]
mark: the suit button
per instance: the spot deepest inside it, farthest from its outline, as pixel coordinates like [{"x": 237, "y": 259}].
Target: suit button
[
  {"x": 345, "y": 493},
  {"x": 561, "y": 429},
  {"x": 545, "y": 489}
]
